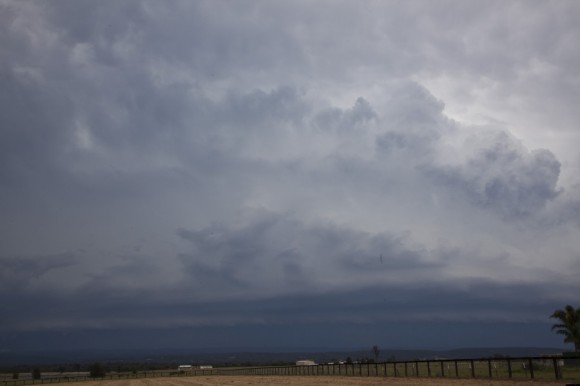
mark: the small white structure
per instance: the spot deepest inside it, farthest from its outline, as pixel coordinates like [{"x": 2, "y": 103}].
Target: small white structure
[
  {"x": 205, "y": 367},
  {"x": 185, "y": 368},
  {"x": 305, "y": 362}
]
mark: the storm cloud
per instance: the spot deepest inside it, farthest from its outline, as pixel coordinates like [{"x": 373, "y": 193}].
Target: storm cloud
[{"x": 201, "y": 164}]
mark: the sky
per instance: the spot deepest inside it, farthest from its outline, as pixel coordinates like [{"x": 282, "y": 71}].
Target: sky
[{"x": 261, "y": 174}]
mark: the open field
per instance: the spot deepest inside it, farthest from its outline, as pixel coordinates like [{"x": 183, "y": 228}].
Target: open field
[
  {"x": 493, "y": 372},
  {"x": 309, "y": 381}
]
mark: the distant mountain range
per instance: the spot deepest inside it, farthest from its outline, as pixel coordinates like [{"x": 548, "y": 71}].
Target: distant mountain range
[{"x": 252, "y": 357}]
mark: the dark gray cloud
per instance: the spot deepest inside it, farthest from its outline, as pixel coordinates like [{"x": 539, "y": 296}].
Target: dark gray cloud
[
  {"x": 226, "y": 164},
  {"x": 22, "y": 271},
  {"x": 505, "y": 177},
  {"x": 274, "y": 253},
  {"x": 277, "y": 270}
]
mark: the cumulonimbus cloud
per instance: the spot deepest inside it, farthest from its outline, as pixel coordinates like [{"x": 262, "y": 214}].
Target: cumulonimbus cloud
[{"x": 211, "y": 155}]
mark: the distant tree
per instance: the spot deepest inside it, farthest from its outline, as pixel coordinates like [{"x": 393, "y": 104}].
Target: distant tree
[
  {"x": 349, "y": 360},
  {"x": 15, "y": 375},
  {"x": 36, "y": 374},
  {"x": 96, "y": 370},
  {"x": 376, "y": 352},
  {"x": 569, "y": 325}
]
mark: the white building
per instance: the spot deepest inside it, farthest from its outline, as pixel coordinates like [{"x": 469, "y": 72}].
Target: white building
[{"x": 305, "y": 362}]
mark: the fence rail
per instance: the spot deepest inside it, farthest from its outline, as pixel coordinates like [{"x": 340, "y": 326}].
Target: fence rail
[{"x": 544, "y": 368}]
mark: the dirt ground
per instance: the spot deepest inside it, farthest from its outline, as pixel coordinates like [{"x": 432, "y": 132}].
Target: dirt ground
[{"x": 307, "y": 381}]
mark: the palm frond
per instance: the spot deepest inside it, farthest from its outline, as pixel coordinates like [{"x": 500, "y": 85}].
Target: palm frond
[{"x": 569, "y": 325}]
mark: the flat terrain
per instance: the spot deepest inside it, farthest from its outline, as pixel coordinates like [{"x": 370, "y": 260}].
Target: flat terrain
[{"x": 307, "y": 381}]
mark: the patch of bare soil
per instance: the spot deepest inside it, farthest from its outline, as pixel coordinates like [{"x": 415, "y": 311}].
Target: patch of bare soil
[{"x": 309, "y": 381}]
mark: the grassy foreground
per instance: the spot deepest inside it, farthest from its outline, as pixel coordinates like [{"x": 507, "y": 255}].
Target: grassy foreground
[{"x": 309, "y": 381}]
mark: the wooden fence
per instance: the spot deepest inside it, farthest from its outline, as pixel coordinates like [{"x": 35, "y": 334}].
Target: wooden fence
[{"x": 541, "y": 368}]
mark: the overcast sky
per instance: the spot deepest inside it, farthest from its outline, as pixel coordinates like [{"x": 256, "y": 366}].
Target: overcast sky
[{"x": 251, "y": 172}]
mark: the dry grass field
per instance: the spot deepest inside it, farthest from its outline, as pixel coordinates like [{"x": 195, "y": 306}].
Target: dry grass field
[{"x": 308, "y": 381}]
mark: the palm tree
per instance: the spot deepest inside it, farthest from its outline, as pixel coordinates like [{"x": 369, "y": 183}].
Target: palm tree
[{"x": 569, "y": 325}]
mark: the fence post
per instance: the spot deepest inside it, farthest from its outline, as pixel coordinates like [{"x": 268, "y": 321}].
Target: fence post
[
  {"x": 406, "y": 374},
  {"x": 509, "y": 364},
  {"x": 556, "y": 368},
  {"x": 416, "y": 369},
  {"x": 442, "y": 369},
  {"x": 428, "y": 369},
  {"x": 472, "y": 364},
  {"x": 489, "y": 367},
  {"x": 531, "y": 368}
]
